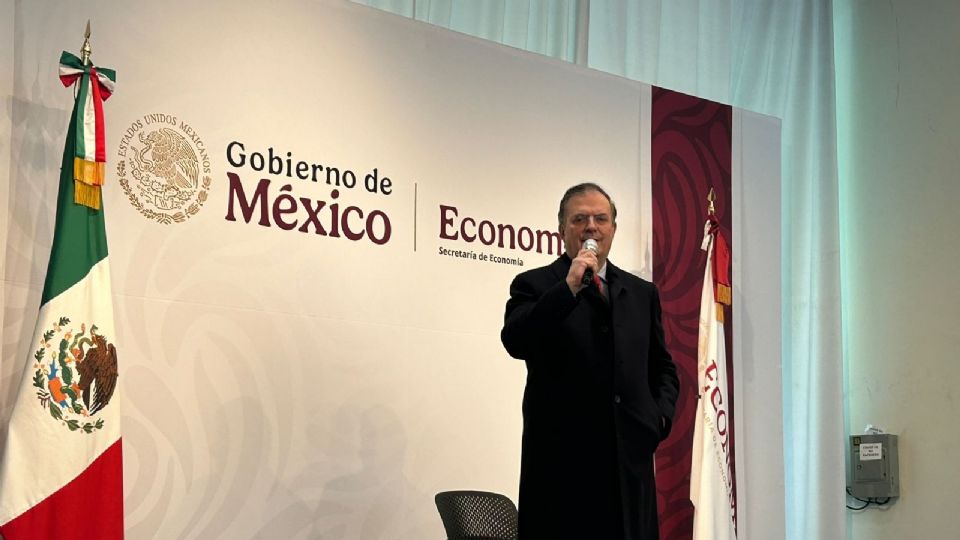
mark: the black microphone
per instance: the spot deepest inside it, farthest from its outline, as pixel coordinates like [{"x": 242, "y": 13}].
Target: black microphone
[{"x": 590, "y": 245}]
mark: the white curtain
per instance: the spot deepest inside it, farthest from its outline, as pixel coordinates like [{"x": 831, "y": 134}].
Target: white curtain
[
  {"x": 768, "y": 56},
  {"x": 547, "y": 27}
]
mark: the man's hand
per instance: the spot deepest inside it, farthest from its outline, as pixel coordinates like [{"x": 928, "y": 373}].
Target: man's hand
[{"x": 585, "y": 259}]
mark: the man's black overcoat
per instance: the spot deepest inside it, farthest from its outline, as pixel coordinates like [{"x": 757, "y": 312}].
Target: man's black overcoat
[{"x": 600, "y": 395}]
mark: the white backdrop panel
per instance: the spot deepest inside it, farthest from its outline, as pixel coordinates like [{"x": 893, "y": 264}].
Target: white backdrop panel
[{"x": 281, "y": 384}]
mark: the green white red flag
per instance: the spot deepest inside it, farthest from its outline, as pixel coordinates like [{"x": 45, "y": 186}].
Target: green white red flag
[
  {"x": 61, "y": 469},
  {"x": 711, "y": 472}
]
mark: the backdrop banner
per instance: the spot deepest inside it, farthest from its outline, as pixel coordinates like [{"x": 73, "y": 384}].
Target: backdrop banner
[{"x": 315, "y": 211}]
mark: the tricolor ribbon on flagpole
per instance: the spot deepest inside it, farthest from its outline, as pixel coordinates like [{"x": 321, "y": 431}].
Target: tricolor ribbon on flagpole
[
  {"x": 94, "y": 86},
  {"x": 720, "y": 260}
]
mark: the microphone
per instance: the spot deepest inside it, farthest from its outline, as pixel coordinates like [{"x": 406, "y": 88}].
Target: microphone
[{"x": 590, "y": 245}]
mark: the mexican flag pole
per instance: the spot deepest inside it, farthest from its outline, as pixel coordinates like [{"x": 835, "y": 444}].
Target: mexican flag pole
[{"x": 61, "y": 467}]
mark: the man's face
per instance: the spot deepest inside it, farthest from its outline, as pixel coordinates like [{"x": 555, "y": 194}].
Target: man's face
[{"x": 588, "y": 216}]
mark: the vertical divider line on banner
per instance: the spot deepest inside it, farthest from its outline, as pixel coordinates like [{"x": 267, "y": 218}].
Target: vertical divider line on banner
[{"x": 415, "y": 216}]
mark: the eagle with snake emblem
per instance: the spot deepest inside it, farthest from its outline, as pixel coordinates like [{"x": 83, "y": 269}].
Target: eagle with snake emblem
[{"x": 171, "y": 170}]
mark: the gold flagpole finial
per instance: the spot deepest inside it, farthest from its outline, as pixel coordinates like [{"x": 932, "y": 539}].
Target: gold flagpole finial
[
  {"x": 85, "y": 49},
  {"x": 711, "y": 197}
]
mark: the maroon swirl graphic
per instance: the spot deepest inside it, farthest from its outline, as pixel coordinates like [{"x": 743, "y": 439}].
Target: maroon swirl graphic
[{"x": 691, "y": 152}]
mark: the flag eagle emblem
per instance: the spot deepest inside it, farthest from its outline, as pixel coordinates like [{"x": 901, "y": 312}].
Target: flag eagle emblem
[{"x": 75, "y": 374}]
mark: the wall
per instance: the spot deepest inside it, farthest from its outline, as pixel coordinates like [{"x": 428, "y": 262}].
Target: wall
[
  {"x": 898, "y": 77},
  {"x": 7, "y": 47}
]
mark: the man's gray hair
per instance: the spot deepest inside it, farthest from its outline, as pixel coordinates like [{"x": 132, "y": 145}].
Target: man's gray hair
[{"x": 580, "y": 189}]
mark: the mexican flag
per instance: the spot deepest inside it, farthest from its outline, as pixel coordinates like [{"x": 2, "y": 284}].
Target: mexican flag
[
  {"x": 61, "y": 467},
  {"x": 711, "y": 471}
]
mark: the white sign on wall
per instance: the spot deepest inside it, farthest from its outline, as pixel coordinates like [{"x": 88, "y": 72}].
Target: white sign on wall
[{"x": 314, "y": 212}]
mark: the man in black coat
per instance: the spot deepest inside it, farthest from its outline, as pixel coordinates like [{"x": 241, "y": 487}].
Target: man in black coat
[{"x": 601, "y": 385}]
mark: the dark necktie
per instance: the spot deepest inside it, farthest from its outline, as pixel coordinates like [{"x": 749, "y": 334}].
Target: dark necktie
[{"x": 599, "y": 283}]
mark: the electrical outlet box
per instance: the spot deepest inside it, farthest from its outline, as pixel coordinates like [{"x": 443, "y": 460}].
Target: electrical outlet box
[{"x": 874, "y": 466}]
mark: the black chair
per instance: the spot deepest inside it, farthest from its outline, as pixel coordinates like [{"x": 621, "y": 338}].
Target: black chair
[{"x": 477, "y": 515}]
